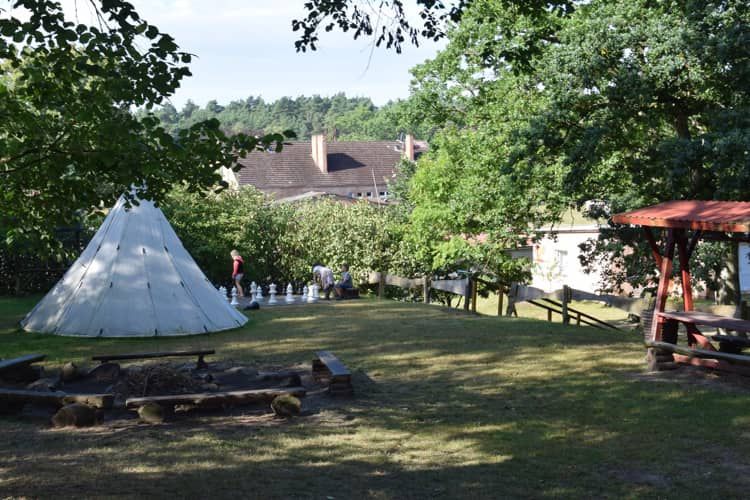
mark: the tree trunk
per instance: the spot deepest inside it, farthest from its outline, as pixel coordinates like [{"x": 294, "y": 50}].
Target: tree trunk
[{"x": 729, "y": 284}]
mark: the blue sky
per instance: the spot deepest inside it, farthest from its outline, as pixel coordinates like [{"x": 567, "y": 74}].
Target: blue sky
[{"x": 247, "y": 48}]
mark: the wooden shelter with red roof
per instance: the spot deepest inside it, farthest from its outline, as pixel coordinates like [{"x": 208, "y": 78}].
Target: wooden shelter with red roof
[{"x": 686, "y": 222}]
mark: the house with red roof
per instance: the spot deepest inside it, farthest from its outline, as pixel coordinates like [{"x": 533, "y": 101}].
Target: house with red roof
[{"x": 348, "y": 169}]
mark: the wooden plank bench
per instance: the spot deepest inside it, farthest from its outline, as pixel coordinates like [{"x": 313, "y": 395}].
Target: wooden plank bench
[
  {"x": 216, "y": 399},
  {"x": 9, "y": 397},
  {"x": 10, "y": 364},
  {"x": 327, "y": 366},
  {"x": 707, "y": 319},
  {"x": 730, "y": 343},
  {"x": 167, "y": 354},
  {"x": 691, "y": 320}
]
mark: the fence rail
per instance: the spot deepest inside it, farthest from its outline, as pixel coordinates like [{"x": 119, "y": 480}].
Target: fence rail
[{"x": 465, "y": 287}]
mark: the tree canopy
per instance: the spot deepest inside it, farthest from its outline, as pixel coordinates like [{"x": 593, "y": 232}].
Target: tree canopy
[
  {"x": 629, "y": 102},
  {"x": 348, "y": 118},
  {"x": 68, "y": 139}
]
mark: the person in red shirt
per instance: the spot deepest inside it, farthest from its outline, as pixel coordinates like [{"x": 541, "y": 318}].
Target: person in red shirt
[{"x": 238, "y": 272}]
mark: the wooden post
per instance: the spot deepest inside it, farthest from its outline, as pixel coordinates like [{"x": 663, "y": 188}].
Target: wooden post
[
  {"x": 565, "y": 298},
  {"x": 474, "y": 287},
  {"x": 682, "y": 252},
  {"x": 426, "y": 289},
  {"x": 549, "y": 315},
  {"x": 381, "y": 285},
  {"x": 665, "y": 280},
  {"x": 500, "y": 293},
  {"x": 467, "y": 293},
  {"x": 512, "y": 291}
]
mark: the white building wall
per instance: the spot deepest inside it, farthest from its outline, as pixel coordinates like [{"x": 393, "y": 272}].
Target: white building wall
[{"x": 556, "y": 261}]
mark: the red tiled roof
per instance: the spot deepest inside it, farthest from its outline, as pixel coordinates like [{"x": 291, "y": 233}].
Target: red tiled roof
[
  {"x": 349, "y": 164},
  {"x": 724, "y": 216}
]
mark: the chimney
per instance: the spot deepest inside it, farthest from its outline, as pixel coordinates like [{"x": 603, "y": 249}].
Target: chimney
[
  {"x": 320, "y": 152},
  {"x": 409, "y": 147}
]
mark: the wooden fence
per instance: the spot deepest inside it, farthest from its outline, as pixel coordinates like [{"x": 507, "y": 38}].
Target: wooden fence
[
  {"x": 562, "y": 298},
  {"x": 465, "y": 287},
  {"x": 557, "y": 301}
]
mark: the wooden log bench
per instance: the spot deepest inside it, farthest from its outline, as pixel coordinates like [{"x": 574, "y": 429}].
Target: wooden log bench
[
  {"x": 327, "y": 366},
  {"x": 349, "y": 293},
  {"x": 12, "y": 397},
  {"x": 216, "y": 399},
  {"x": 19, "y": 369},
  {"x": 201, "y": 364}
]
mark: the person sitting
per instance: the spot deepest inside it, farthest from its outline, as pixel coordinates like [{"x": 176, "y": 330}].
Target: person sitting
[
  {"x": 324, "y": 276},
  {"x": 345, "y": 283}
]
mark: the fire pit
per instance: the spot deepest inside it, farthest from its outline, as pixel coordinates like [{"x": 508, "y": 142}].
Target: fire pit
[{"x": 158, "y": 390}]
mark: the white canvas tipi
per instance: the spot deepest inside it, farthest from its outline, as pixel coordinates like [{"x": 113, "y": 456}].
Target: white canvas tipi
[{"x": 135, "y": 279}]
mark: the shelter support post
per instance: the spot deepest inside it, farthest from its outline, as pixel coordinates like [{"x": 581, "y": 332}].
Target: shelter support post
[{"x": 665, "y": 283}]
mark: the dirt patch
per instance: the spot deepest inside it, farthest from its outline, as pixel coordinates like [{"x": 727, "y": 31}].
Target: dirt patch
[{"x": 692, "y": 376}]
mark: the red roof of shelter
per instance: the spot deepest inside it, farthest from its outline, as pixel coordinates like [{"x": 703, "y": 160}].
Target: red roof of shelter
[{"x": 723, "y": 216}]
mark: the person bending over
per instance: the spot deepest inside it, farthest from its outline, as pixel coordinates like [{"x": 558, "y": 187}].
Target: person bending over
[{"x": 324, "y": 276}]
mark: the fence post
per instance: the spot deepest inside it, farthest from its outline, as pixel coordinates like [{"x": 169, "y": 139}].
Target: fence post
[
  {"x": 467, "y": 293},
  {"x": 565, "y": 298},
  {"x": 474, "y": 287},
  {"x": 381, "y": 285},
  {"x": 512, "y": 292},
  {"x": 426, "y": 289}
]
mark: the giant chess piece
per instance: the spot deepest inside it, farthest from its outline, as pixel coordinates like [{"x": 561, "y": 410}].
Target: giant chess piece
[
  {"x": 311, "y": 293},
  {"x": 234, "y": 298},
  {"x": 259, "y": 294},
  {"x": 253, "y": 288},
  {"x": 223, "y": 292},
  {"x": 316, "y": 291},
  {"x": 289, "y": 293},
  {"x": 272, "y": 293},
  {"x": 304, "y": 293}
]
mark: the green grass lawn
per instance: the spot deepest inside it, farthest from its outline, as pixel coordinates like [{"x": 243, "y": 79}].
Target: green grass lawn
[{"x": 458, "y": 406}]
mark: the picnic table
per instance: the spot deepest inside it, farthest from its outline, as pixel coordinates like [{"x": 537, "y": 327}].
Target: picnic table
[{"x": 683, "y": 224}]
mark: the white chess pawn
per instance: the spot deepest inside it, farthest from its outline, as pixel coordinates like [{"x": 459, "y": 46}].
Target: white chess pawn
[
  {"x": 311, "y": 293},
  {"x": 272, "y": 293},
  {"x": 316, "y": 290},
  {"x": 304, "y": 292},
  {"x": 289, "y": 293},
  {"x": 234, "y": 298},
  {"x": 223, "y": 292},
  {"x": 259, "y": 294},
  {"x": 253, "y": 287}
]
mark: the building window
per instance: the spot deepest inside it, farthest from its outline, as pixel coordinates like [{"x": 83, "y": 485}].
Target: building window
[{"x": 561, "y": 261}]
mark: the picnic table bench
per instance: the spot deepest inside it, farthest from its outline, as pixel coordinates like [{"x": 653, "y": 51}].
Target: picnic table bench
[
  {"x": 327, "y": 366},
  {"x": 691, "y": 320},
  {"x": 166, "y": 354},
  {"x": 700, "y": 351}
]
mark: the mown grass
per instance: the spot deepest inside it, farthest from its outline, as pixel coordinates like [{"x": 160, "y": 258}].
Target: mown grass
[{"x": 459, "y": 406}]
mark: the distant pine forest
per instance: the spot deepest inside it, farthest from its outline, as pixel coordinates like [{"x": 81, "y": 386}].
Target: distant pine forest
[{"x": 340, "y": 117}]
